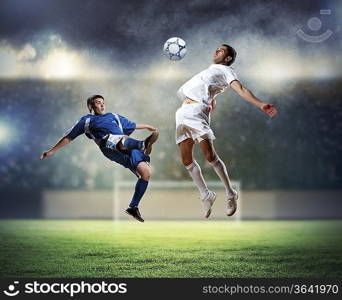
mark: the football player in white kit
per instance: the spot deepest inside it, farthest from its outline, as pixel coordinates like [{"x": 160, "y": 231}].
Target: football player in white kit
[{"x": 193, "y": 122}]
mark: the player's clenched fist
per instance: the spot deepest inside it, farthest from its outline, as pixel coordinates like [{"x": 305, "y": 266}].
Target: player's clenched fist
[{"x": 269, "y": 109}]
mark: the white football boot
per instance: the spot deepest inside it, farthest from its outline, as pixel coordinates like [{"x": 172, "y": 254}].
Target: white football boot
[
  {"x": 231, "y": 203},
  {"x": 208, "y": 201}
]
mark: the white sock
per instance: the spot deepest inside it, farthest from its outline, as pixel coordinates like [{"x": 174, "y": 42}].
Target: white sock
[
  {"x": 196, "y": 174},
  {"x": 222, "y": 172}
]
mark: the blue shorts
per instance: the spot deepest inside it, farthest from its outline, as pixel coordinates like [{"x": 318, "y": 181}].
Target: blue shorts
[{"x": 128, "y": 158}]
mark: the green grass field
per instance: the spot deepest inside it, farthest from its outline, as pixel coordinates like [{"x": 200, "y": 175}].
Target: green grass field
[{"x": 49, "y": 248}]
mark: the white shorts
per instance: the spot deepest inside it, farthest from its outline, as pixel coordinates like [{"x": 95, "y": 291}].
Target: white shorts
[{"x": 193, "y": 121}]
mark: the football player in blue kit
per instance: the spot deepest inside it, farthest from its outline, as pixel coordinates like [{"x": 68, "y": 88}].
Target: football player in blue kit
[{"x": 111, "y": 133}]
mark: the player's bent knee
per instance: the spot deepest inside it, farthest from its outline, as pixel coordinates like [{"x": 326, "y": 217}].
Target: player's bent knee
[
  {"x": 187, "y": 161},
  {"x": 144, "y": 171},
  {"x": 211, "y": 157},
  {"x": 146, "y": 175}
]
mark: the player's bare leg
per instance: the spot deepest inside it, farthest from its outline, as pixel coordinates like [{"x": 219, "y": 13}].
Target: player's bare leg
[
  {"x": 208, "y": 197},
  {"x": 127, "y": 143},
  {"x": 144, "y": 173},
  {"x": 149, "y": 141},
  {"x": 209, "y": 152},
  {"x": 186, "y": 150}
]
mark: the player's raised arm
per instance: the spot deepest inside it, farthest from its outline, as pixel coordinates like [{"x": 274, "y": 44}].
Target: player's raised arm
[
  {"x": 247, "y": 95},
  {"x": 61, "y": 143},
  {"x": 145, "y": 126}
]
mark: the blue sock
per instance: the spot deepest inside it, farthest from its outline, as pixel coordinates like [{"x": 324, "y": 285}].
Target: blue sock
[
  {"x": 140, "y": 189},
  {"x": 132, "y": 144}
]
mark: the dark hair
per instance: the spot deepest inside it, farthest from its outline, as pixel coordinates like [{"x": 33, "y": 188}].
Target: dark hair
[
  {"x": 91, "y": 101},
  {"x": 231, "y": 53}
]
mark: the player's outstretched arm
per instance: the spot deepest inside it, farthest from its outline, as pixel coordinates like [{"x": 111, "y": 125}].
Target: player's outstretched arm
[
  {"x": 61, "y": 143},
  {"x": 247, "y": 95},
  {"x": 145, "y": 126}
]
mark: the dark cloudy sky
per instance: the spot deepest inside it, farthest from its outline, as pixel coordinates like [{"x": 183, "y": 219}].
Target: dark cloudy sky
[
  {"x": 122, "y": 41},
  {"x": 133, "y": 29}
]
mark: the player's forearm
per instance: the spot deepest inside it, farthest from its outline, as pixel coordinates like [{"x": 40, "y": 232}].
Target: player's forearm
[
  {"x": 61, "y": 143},
  {"x": 140, "y": 126},
  {"x": 248, "y": 96},
  {"x": 145, "y": 126}
]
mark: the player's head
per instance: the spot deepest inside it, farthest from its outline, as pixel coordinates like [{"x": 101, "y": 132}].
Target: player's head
[
  {"x": 224, "y": 55},
  {"x": 96, "y": 105}
]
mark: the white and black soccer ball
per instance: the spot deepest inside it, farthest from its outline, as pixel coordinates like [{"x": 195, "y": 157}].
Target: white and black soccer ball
[{"x": 175, "y": 48}]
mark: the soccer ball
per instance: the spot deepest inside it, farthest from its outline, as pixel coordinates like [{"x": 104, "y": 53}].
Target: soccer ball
[{"x": 175, "y": 48}]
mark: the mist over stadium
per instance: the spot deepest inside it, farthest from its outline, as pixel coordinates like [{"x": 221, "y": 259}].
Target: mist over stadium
[{"x": 49, "y": 68}]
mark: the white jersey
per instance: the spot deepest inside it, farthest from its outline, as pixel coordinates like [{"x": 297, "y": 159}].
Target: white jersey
[{"x": 206, "y": 85}]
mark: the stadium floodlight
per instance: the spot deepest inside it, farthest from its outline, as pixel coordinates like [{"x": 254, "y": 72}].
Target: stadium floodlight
[
  {"x": 292, "y": 66},
  {"x": 162, "y": 71},
  {"x": 5, "y": 134},
  {"x": 61, "y": 64}
]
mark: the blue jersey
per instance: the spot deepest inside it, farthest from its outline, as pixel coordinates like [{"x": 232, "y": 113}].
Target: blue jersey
[{"x": 97, "y": 126}]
